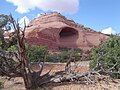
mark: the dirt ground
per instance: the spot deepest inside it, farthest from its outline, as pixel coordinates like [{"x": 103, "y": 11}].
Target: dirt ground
[
  {"x": 83, "y": 66},
  {"x": 17, "y": 83},
  {"x": 97, "y": 86}
]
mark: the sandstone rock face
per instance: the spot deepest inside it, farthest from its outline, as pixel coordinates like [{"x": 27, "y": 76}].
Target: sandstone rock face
[{"x": 56, "y": 31}]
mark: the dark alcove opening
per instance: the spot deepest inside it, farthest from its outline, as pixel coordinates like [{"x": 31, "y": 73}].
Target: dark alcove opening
[
  {"x": 68, "y": 37},
  {"x": 67, "y": 32}
]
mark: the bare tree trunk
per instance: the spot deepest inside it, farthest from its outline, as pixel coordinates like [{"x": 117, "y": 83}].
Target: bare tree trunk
[
  {"x": 21, "y": 66},
  {"x": 25, "y": 70}
]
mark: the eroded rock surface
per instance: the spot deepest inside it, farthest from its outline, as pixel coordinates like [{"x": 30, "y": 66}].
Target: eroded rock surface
[{"x": 55, "y": 31}]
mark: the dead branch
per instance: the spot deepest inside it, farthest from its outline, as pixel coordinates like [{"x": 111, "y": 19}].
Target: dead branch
[{"x": 9, "y": 55}]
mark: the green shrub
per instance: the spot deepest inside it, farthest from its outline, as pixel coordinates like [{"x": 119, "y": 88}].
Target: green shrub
[
  {"x": 36, "y": 53},
  {"x": 1, "y": 85},
  {"x": 0, "y": 42},
  {"x": 12, "y": 48},
  {"x": 107, "y": 55},
  {"x": 64, "y": 55},
  {"x": 64, "y": 49},
  {"x": 53, "y": 58}
]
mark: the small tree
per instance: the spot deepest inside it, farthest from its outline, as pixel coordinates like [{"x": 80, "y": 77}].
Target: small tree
[
  {"x": 36, "y": 53},
  {"x": 64, "y": 55},
  {"x": 106, "y": 58},
  {"x": 16, "y": 64}
]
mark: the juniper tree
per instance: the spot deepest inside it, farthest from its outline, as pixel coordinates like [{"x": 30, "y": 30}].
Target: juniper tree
[
  {"x": 16, "y": 64},
  {"x": 106, "y": 58}
]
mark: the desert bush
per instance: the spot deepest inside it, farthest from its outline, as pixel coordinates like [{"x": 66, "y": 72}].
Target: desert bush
[
  {"x": 107, "y": 57},
  {"x": 53, "y": 58},
  {"x": 36, "y": 53},
  {"x": 61, "y": 57},
  {"x": 64, "y": 49},
  {"x": 64, "y": 55},
  {"x": 12, "y": 48},
  {"x": 1, "y": 85},
  {"x": 0, "y": 42}
]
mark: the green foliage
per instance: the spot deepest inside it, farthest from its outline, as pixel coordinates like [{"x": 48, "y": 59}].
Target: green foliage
[
  {"x": 108, "y": 55},
  {"x": 36, "y": 53},
  {"x": 65, "y": 55},
  {"x": 0, "y": 42},
  {"x": 53, "y": 58},
  {"x": 3, "y": 20},
  {"x": 1, "y": 85},
  {"x": 12, "y": 48}
]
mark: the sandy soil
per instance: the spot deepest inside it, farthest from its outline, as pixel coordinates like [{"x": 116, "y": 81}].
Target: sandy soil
[
  {"x": 97, "y": 86},
  {"x": 17, "y": 83}
]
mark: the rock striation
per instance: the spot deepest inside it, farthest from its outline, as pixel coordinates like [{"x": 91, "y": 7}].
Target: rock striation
[{"x": 56, "y": 31}]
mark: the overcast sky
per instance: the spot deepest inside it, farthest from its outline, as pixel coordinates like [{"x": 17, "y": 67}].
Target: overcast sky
[{"x": 100, "y": 15}]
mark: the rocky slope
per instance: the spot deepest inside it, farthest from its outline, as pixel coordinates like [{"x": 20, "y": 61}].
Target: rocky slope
[{"x": 56, "y": 31}]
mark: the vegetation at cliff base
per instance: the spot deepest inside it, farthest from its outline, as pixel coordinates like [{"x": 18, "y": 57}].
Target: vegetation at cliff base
[{"x": 107, "y": 57}]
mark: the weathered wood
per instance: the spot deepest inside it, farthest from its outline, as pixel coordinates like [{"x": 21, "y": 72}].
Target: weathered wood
[{"x": 9, "y": 55}]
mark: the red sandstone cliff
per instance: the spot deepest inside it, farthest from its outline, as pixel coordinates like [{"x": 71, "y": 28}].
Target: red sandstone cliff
[{"x": 54, "y": 31}]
